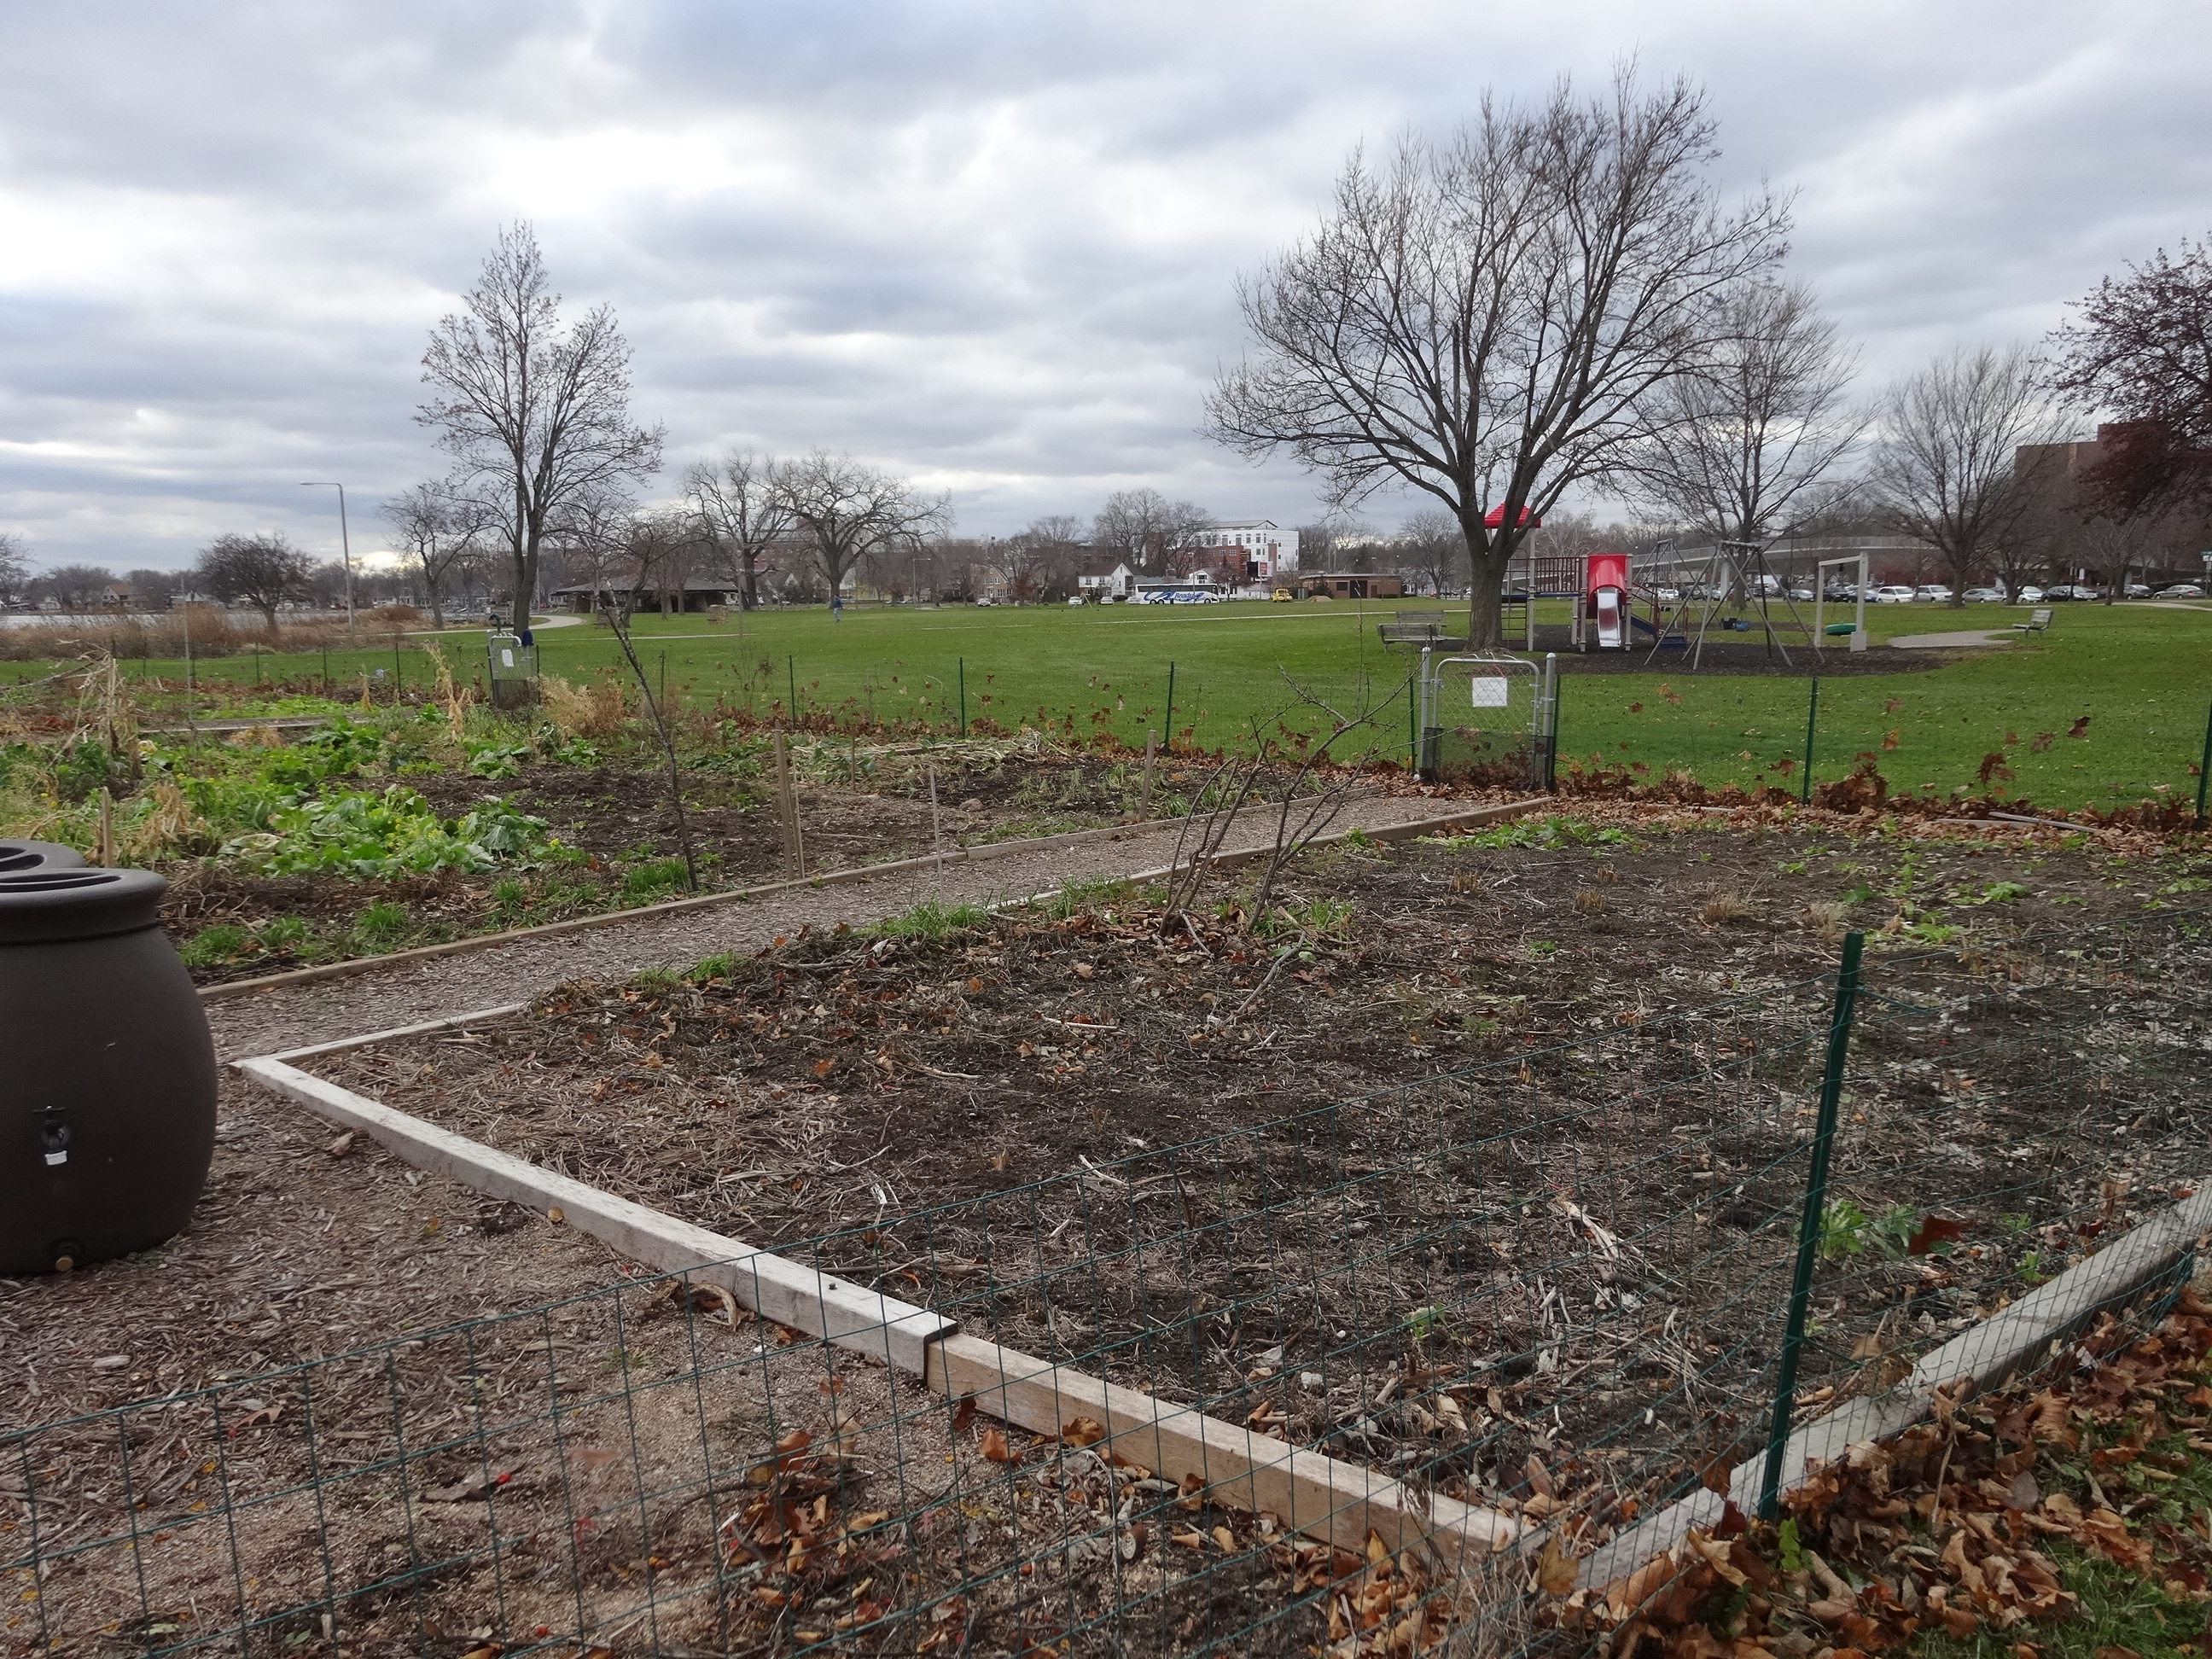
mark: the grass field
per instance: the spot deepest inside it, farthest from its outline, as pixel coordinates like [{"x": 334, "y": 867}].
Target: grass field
[{"x": 2141, "y": 675}]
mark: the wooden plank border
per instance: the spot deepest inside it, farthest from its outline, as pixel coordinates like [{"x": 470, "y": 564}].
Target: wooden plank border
[
  {"x": 1982, "y": 1355},
  {"x": 1313, "y": 1493},
  {"x": 773, "y": 1287}
]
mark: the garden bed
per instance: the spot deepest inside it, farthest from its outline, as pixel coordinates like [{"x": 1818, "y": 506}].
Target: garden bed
[{"x": 1473, "y": 1163}]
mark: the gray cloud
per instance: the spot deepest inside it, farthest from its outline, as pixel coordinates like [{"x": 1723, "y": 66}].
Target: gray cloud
[{"x": 991, "y": 245}]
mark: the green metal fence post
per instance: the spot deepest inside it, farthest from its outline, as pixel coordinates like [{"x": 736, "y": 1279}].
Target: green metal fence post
[
  {"x": 963, "y": 696},
  {"x": 1812, "y": 710},
  {"x": 1412, "y": 728},
  {"x": 1809, "y": 1227},
  {"x": 2204, "y": 768},
  {"x": 1167, "y": 726}
]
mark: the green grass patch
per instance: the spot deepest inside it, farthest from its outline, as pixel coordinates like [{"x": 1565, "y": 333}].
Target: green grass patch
[{"x": 930, "y": 919}]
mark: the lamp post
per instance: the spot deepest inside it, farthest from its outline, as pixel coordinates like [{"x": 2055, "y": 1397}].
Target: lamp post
[{"x": 345, "y": 542}]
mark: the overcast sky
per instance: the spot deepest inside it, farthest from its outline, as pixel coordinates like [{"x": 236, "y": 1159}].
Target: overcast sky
[{"x": 993, "y": 246}]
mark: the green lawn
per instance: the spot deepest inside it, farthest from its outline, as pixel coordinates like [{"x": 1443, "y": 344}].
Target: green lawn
[{"x": 2142, "y": 675}]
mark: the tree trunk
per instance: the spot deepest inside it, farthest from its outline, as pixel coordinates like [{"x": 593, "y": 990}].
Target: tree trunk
[
  {"x": 268, "y": 612},
  {"x": 1488, "y": 557}
]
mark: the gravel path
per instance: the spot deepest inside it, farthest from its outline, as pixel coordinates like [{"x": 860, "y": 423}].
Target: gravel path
[{"x": 326, "y": 1010}]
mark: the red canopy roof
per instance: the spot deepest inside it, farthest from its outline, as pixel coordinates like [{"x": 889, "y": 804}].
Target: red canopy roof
[{"x": 1496, "y": 517}]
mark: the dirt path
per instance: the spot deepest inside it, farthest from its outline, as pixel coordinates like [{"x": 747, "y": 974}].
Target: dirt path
[{"x": 323, "y": 1010}]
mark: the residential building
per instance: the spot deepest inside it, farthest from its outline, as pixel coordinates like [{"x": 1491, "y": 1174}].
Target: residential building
[{"x": 1268, "y": 551}]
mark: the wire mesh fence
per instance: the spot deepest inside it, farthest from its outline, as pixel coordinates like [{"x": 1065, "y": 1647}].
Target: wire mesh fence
[{"x": 1558, "y": 1287}]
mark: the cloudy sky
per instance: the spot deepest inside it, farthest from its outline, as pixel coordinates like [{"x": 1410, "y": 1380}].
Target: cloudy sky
[{"x": 991, "y": 246}]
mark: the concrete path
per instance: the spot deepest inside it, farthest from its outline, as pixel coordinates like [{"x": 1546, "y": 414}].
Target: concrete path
[{"x": 1947, "y": 641}]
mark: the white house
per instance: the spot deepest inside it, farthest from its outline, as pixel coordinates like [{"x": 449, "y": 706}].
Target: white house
[{"x": 1273, "y": 552}]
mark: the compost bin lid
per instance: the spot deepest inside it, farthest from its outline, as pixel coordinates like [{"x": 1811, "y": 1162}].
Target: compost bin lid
[
  {"x": 48, "y": 906},
  {"x": 16, "y": 855}
]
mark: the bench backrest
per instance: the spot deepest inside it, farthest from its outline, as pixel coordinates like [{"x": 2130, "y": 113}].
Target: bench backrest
[
  {"x": 2040, "y": 617},
  {"x": 1420, "y": 619}
]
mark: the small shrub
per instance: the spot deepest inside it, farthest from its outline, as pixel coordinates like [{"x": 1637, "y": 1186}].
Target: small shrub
[
  {"x": 285, "y": 933},
  {"x": 1589, "y": 902},
  {"x": 597, "y": 709},
  {"x": 509, "y": 895},
  {"x": 656, "y": 981}
]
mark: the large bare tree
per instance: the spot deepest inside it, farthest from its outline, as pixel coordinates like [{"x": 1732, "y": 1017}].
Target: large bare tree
[
  {"x": 846, "y": 508},
  {"x": 1737, "y": 443},
  {"x": 439, "y": 532},
  {"x": 1478, "y": 318},
  {"x": 741, "y": 516},
  {"x": 1943, "y": 467},
  {"x": 262, "y": 571},
  {"x": 534, "y": 411},
  {"x": 1146, "y": 529}
]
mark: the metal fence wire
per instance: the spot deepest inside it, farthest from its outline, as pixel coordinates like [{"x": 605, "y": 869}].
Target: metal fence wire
[{"x": 1559, "y": 1285}]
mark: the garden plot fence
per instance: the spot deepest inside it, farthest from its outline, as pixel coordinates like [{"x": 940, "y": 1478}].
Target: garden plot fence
[{"x": 1574, "y": 1289}]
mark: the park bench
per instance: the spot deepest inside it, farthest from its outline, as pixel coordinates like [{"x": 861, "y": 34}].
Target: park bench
[
  {"x": 1416, "y": 628},
  {"x": 2037, "y": 620}
]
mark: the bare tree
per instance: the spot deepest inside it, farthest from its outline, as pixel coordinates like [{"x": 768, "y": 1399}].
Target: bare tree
[
  {"x": 438, "y": 530},
  {"x": 663, "y": 550},
  {"x": 1479, "y": 318},
  {"x": 1146, "y": 529},
  {"x": 262, "y": 571},
  {"x": 1942, "y": 469},
  {"x": 741, "y": 517},
  {"x": 535, "y": 414},
  {"x": 1433, "y": 545},
  {"x": 15, "y": 567},
  {"x": 2142, "y": 353},
  {"x": 1733, "y": 446},
  {"x": 846, "y": 508}
]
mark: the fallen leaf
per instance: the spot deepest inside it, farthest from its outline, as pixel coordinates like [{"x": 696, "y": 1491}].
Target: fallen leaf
[
  {"x": 1083, "y": 1431},
  {"x": 554, "y": 1216},
  {"x": 1083, "y": 970},
  {"x": 1555, "y": 1572},
  {"x": 1000, "y": 1162},
  {"x": 1935, "y": 1233},
  {"x": 342, "y": 1145},
  {"x": 823, "y": 1067},
  {"x": 1539, "y": 1478},
  {"x": 1189, "y": 1541},
  {"x": 1226, "y": 1539},
  {"x": 994, "y": 1447}
]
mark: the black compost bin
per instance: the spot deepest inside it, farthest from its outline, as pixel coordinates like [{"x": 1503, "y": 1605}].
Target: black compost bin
[
  {"x": 107, "y": 1114},
  {"x": 18, "y": 856}
]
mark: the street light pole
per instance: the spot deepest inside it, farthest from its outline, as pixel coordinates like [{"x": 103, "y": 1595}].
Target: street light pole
[{"x": 345, "y": 541}]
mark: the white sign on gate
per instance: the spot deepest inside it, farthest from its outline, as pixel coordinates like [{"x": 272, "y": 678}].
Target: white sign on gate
[{"x": 1490, "y": 694}]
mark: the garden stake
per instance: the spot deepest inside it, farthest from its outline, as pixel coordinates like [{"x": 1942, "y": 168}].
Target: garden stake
[
  {"x": 2204, "y": 768},
  {"x": 790, "y": 675},
  {"x": 1809, "y": 1226},
  {"x": 1168, "y": 725},
  {"x": 936, "y": 829},
  {"x": 1151, "y": 743},
  {"x": 964, "y": 696},
  {"x": 1812, "y": 709}
]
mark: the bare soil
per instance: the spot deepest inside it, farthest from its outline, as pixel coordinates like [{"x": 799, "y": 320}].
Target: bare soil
[{"x": 1509, "y": 1126}]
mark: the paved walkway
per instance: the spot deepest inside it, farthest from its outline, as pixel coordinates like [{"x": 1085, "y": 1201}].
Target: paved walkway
[{"x": 1947, "y": 642}]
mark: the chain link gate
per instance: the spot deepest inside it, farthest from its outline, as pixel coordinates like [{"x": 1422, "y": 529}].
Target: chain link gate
[{"x": 1510, "y": 732}]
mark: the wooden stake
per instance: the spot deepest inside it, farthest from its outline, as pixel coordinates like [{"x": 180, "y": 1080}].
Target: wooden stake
[
  {"x": 787, "y": 812},
  {"x": 935, "y": 826},
  {"x": 1144, "y": 800}
]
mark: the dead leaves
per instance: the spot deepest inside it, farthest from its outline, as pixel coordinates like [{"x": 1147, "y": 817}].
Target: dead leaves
[{"x": 1909, "y": 1558}]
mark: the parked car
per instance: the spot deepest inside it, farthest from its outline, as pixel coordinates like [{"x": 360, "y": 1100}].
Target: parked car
[
  {"x": 1985, "y": 596},
  {"x": 2136, "y": 591},
  {"x": 1932, "y": 594},
  {"x": 1669, "y": 594},
  {"x": 2181, "y": 591},
  {"x": 1803, "y": 595},
  {"x": 2072, "y": 590},
  {"x": 2030, "y": 595},
  {"x": 1892, "y": 594}
]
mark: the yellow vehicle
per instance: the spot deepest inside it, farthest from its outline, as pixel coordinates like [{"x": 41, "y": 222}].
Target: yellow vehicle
[{"x": 1281, "y": 595}]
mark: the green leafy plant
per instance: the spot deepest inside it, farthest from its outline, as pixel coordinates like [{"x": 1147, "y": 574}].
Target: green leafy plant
[
  {"x": 381, "y": 922},
  {"x": 212, "y": 946},
  {"x": 654, "y": 876},
  {"x": 395, "y": 832}
]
